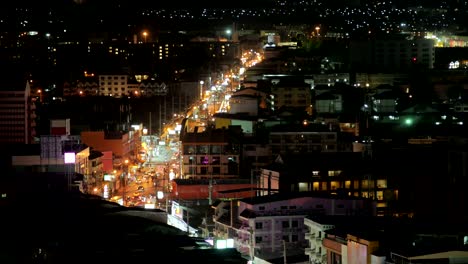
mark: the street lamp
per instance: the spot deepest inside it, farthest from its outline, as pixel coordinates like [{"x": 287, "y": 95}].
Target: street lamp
[
  {"x": 201, "y": 89},
  {"x": 145, "y": 34},
  {"x": 318, "y": 30}
]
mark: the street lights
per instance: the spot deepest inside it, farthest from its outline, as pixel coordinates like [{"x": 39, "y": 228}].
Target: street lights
[
  {"x": 201, "y": 89},
  {"x": 145, "y": 35}
]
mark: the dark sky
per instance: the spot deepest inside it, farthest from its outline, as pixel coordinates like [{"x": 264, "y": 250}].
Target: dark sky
[{"x": 150, "y": 3}]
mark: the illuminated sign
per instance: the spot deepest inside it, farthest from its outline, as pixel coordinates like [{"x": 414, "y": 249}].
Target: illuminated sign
[
  {"x": 150, "y": 206},
  {"x": 225, "y": 243},
  {"x": 106, "y": 192},
  {"x": 108, "y": 177},
  {"x": 69, "y": 157},
  {"x": 160, "y": 195},
  {"x": 176, "y": 210}
]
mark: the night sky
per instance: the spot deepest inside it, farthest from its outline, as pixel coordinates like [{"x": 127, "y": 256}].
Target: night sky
[{"x": 146, "y": 3}]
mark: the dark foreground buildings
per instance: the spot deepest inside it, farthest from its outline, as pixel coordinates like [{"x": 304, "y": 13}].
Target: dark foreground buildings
[{"x": 44, "y": 222}]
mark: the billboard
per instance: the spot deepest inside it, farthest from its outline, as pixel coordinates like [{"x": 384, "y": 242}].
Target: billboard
[{"x": 176, "y": 210}]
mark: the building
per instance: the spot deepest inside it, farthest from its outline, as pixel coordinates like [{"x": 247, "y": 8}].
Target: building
[
  {"x": 122, "y": 145},
  {"x": 114, "y": 85},
  {"x": 211, "y": 189},
  {"x": 392, "y": 54},
  {"x": 86, "y": 87},
  {"x": 56, "y": 154},
  {"x": 212, "y": 154},
  {"x": 264, "y": 226},
  {"x": 367, "y": 239},
  {"x": 327, "y": 245},
  {"x": 292, "y": 92},
  {"x": 17, "y": 111}
]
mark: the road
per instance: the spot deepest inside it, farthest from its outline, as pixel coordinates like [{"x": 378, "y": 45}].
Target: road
[{"x": 152, "y": 177}]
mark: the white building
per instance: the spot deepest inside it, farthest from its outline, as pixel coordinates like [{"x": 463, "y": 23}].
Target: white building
[
  {"x": 267, "y": 227},
  {"x": 113, "y": 85}
]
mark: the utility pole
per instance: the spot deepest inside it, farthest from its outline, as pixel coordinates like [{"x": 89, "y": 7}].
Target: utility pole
[
  {"x": 210, "y": 190},
  {"x": 150, "y": 123},
  {"x": 251, "y": 245},
  {"x": 284, "y": 251}
]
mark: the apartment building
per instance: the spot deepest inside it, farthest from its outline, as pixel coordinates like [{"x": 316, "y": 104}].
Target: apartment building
[
  {"x": 17, "y": 112},
  {"x": 212, "y": 154},
  {"x": 264, "y": 226}
]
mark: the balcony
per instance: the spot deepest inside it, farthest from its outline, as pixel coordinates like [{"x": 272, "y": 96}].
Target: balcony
[
  {"x": 309, "y": 251},
  {"x": 291, "y": 230}
]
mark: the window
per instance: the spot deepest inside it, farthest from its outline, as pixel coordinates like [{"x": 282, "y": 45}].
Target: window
[
  {"x": 215, "y": 149},
  {"x": 315, "y": 173},
  {"x": 303, "y": 186},
  {"x": 259, "y": 225},
  {"x": 285, "y": 224},
  {"x": 202, "y": 149},
  {"x": 380, "y": 195},
  {"x": 294, "y": 223},
  {"x": 324, "y": 186},
  {"x": 315, "y": 186},
  {"x": 334, "y": 173},
  {"x": 319, "y": 206},
  {"x": 190, "y": 149},
  {"x": 356, "y": 184},
  {"x": 381, "y": 183},
  {"x": 294, "y": 238},
  {"x": 258, "y": 239},
  {"x": 284, "y": 207},
  {"x": 335, "y": 258},
  {"x": 204, "y": 160},
  {"x": 347, "y": 184},
  {"x": 335, "y": 185},
  {"x": 286, "y": 238},
  {"x": 261, "y": 208},
  {"x": 203, "y": 170}
]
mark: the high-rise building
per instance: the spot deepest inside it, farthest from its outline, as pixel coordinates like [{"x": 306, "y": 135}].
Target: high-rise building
[{"x": 17, "y": 112}]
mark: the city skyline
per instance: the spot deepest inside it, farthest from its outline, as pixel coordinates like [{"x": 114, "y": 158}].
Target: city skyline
[{"x": 270, "y": 127}]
